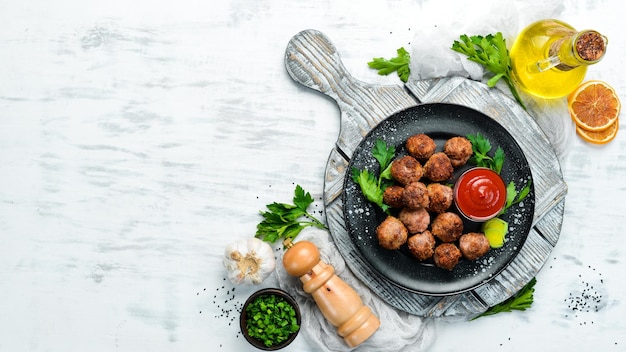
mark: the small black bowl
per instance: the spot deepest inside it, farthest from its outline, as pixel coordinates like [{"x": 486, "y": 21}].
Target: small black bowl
[{"x": 244, "y": 317}]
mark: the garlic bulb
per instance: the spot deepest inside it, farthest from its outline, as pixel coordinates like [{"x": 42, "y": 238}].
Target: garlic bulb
[{"x": 249, "y": 261}]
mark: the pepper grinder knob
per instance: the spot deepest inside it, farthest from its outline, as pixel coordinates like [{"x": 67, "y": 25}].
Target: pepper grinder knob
[{"x": 337, "y": 301}]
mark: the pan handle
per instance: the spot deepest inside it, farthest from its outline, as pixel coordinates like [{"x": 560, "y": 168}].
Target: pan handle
[{"x": 313, "y": 61}]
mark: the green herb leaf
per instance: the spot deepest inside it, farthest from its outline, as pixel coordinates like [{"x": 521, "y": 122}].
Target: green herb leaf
[
  {"x": 373, "y": 188},
  {"x": 386, "y": 175},
  {"x": 513, "y": 196},
  {"x": 369, "y": 187},
  {"x": 511, "y": 193},
  {"x": 302, "y": 199},
  {"x": 491, "y": 52},
  {"x": 524, "y": 192},
  {"x": 283, "y": 221},
  {"x": 384, "y": 154},
  {"x": 498, "y": 160},
  {"x": 522, "y": 300},
  {"x": 481, "y": 147},
  {"x": 399, "y": 64}
]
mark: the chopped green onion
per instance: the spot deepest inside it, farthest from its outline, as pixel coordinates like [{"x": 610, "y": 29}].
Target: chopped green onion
[{"x": 271, "y": 319}]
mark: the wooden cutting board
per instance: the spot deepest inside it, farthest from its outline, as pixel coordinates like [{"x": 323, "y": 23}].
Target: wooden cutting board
[{"x": 313, "y": 61}]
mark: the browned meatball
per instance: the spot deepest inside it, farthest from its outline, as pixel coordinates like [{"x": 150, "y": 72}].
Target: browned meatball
[
  {"x": 474, "y": 245},
  {"x": 446, "y": 256},
  {"x": 392, "y": 196},
  {"x": 422, "y": 245},
  {"x": 440, "y": 197},
  {"x": 438, "y": 167},
  {"x": 415, "y": 220},
  {"x": 415, "y": 195},
  {"x": 406, "y": 170},
  {"x": 459, "y": 150},
  {"x": 420, "y": 146},
  {"x": 391, "y": 233},
  {"x": 447, "y": 227}
]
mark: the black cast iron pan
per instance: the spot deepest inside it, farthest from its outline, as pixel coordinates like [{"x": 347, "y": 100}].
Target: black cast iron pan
[{"x": 441, "y": 121}]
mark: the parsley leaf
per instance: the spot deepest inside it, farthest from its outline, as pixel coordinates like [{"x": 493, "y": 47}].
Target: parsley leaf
[
  {"x": 383, "y": 153},
  {"x": 513, "y": 196},
  {"x": 481, "y": 146},
  {"x": 511, "y": 193},
  {"x": 524, "y": 192},
  {"x": 369, "y": 187},
  {"x": 522, "y": 300},
  {"x": 491, "y": 52},
  {"x": 398, "y": 64},
  {"x": 283, "y": 220},
  {"x": 498, "y": 160},
  {"x": 302, "y": 199},
  {"x": 373, "y": 188}
]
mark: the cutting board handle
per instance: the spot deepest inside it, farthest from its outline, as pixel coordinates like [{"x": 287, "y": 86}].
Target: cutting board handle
[{"x": 313, "y": 61}]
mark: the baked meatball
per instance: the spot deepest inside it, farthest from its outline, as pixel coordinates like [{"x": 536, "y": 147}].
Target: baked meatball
[
  {"x": 392, "y": 196},
  {"x": 415, "y": 195},
  {"x": 459, "y": 150},
  {"x": 473, "y": 245},
  {"x": 446, "y": 256},
  {"x": 406, "y": 170},
  {"x": 391, "y": 233},
  {"x": 440, "y": 197},
  {"x": 447, "y": 227},
  {"x": 438, "y": 167},
  {"x": 420, "y": 146},
  {"x": 422, "y": 245},
  {"x": 415, "y": 220}
]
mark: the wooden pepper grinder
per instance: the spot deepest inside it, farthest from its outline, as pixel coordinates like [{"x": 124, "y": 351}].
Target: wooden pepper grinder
[{"x": 337, "y": 301}]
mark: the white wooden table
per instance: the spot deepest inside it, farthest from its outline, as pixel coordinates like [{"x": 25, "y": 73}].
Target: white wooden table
[{"x": 138, "y": 138}]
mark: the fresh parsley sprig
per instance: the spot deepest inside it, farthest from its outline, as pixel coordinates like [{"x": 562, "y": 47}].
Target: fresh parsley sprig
[
  {"x": 372, "y": 187},
  {"x": 286, "y": 221},
  {"x": 522, "y": 300},
  {"x": 398, "y": 64},
  {"x": 491, "y": 52},
  {"x": 513, "y": 196},
  {"x": 481, "y": 146}
]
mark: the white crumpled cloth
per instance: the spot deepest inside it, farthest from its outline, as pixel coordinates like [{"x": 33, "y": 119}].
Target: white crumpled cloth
[
  {"x": 432, "y": 58},
  {"x": 398, "y": 332},
  {"x": 440, "y": 26}
]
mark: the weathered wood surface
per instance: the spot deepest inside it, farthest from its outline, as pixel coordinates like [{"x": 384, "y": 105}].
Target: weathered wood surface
[
  {"x": 313, "y": 61},
  {"x": 139, "y": 138}
]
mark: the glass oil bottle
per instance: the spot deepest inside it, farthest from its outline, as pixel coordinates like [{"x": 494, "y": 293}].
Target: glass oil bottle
[{"x": 549, "y": 58}]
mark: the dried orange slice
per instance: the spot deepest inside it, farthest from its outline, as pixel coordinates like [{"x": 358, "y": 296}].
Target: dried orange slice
[
  {"x": 599, "y": 137},
  {"x": 594, "y": 106}
]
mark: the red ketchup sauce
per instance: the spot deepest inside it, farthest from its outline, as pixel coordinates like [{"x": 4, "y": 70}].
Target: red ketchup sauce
[{"x": 480, "y": 194}]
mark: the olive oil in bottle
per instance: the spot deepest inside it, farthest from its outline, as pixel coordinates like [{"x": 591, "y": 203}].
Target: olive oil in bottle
[{"x": 549, "y": 58}]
